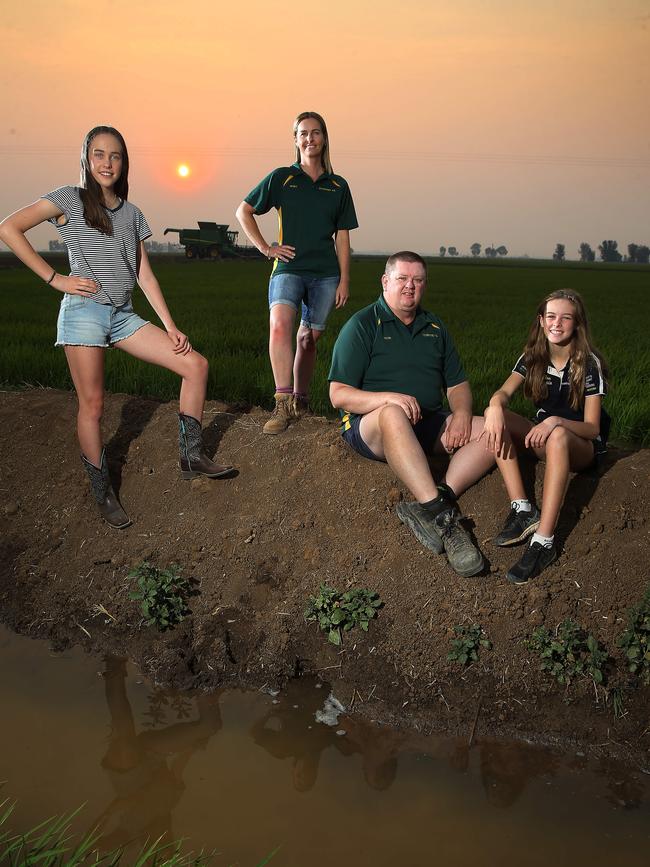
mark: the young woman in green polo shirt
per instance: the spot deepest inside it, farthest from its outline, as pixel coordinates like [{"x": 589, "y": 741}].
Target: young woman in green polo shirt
[{"x": 311, "y": 261}]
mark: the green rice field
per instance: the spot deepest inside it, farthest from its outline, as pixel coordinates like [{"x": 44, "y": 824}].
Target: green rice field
[{"x": 488, "y": 307}]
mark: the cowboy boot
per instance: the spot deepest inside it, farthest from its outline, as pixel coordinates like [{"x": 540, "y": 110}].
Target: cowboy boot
[
  {"x": 107, "y": 502},
  {"x": 193, "y": 460}
]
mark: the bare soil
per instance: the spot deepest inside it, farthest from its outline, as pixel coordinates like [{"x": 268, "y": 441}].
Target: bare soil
[{"x": 303, "y": 510}]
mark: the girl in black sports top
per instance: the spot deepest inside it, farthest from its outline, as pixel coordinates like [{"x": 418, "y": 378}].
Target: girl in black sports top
[
  {"x": 565, "y": 376},
  {"x": 105, "y": 234}
]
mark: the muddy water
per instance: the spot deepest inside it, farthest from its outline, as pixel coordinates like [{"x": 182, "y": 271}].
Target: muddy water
[{"x": 242, "y": 773}]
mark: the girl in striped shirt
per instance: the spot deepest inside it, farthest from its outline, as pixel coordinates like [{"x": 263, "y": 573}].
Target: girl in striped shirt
[{"x": 105, "y": 235}]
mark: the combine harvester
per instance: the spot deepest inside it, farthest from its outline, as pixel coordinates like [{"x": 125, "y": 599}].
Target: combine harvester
[{"x": 213, "y": 241}]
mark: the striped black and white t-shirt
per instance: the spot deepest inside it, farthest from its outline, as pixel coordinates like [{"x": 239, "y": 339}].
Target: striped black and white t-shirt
[{"x": 109, "y": 260}]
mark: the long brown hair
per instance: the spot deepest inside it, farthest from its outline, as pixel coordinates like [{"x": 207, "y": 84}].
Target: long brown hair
[
  {"x": 91, "y": 193},
  {"x": 537, "y": 357},
  {"x": 325, "y": 153}
]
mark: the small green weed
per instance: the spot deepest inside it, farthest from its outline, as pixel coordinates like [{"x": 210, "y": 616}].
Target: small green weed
[
  {"x": 635, "y": 641},
  {"x": 465, "y": 648},
  {"x": 162, "y": 594},
  {"x": 339, "y": 612},
  {"x": 618, "y": 705},
  {"x": 570, "y": 653}
]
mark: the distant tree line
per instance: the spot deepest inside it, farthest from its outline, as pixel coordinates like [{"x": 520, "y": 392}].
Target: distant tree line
[
  {"x": 609, "y": 252},
  {"x": 638, "y": 253},
  {"x": 475, "y": 249}
]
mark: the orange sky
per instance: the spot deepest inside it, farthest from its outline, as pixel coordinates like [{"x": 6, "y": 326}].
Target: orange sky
[{"x": 500, "y": 122}]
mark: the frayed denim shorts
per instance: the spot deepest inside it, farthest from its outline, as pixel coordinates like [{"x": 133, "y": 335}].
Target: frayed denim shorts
[
  {"x": 315, "y": 295},
  {"x": 84, "y": 322}
]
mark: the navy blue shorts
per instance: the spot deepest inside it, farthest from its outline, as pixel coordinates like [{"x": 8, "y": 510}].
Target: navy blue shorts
[{"x": 427, "y": 430}]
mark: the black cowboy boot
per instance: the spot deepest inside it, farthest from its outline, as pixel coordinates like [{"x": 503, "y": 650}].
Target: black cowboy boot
[
  {"x": 107, "y": 502},
  {"x": 193, "y": 461}
]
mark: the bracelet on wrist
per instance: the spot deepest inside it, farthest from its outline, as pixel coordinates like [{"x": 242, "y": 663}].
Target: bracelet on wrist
[{"x": 48, "y": 282}]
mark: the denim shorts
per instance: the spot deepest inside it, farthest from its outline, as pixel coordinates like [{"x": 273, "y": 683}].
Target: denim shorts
[
  {"x": 84, "y": 322},
  {"x": 427, "y": 430},
  {"x": 316, "y": 295}
]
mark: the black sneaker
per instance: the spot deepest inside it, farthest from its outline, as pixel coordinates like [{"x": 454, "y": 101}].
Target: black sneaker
[
  {"x": 534, "y": 559},
  {"x": 519, "y": 525}
]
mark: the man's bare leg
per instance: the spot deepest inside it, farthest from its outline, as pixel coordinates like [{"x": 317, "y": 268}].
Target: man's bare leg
[
  {"x": 388, "y": 433},
  {"x": 469, "y": 463}
]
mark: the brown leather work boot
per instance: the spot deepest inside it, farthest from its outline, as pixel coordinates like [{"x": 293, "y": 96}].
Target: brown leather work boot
[
  {"x": 300, "y": 407},
  {"x": 281, "y": 415}
]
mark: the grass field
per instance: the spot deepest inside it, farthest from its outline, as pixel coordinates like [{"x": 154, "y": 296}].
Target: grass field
[{"x": 487, "y": 306}]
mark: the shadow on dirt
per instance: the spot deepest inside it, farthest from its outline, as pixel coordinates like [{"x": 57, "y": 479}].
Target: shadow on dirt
[
  {"x": 214, "y": 432},
  {"x": 581, "y": 490},
  {"x": 9, "y": 553},
  {"x": 136, "y": 414}
]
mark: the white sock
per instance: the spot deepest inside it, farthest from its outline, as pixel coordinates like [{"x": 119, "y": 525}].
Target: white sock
[
  {"x": 545, "y": 541},
  {"x": 521, "y": 505}
]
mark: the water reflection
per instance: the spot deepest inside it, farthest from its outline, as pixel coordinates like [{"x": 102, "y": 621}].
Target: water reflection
[
  {"x": 623, "y": 789},
  {"x": 274, "y": 775},
  {"x": 145, "y": 768},
  {"x": 505, "y": 772},
  {"x": 289, "y": 730}
]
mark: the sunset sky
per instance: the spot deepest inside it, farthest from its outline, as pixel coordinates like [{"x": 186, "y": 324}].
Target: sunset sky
[{"x": 501, "y": 122}]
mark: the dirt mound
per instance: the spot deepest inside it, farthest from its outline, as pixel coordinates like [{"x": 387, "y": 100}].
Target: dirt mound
[{"x": 303, "y": 510}]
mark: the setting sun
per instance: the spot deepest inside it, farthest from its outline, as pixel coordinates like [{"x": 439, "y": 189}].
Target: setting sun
[{"x": 183, "y": 171}]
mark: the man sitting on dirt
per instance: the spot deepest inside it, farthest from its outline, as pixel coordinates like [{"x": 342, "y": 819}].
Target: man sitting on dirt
[{"x": 390, "y": 365}]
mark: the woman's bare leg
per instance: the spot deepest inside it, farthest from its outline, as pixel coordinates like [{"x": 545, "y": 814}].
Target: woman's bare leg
[
  {"x": 564, "y": 452},
  {"x": 303, "y": 366},
  {"x": 151, "y": 344},
  {"x": 508, "y": 462},
  {"x": 281, "y": 324},
  {"x": 86, "y": 365}
]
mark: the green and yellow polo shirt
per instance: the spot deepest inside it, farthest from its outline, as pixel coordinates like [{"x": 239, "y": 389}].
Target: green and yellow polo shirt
[
  {"x": 309, "y": 214},
  {"x": 375, "y": 351}
]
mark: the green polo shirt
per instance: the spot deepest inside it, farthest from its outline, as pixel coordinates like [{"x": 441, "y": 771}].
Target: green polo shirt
[
  {"x": 375, "y": 351},
  {"x": 309, "y": 214}
]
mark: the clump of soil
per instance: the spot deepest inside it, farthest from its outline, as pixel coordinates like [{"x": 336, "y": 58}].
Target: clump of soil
[{"x": 303, "y": 510}]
